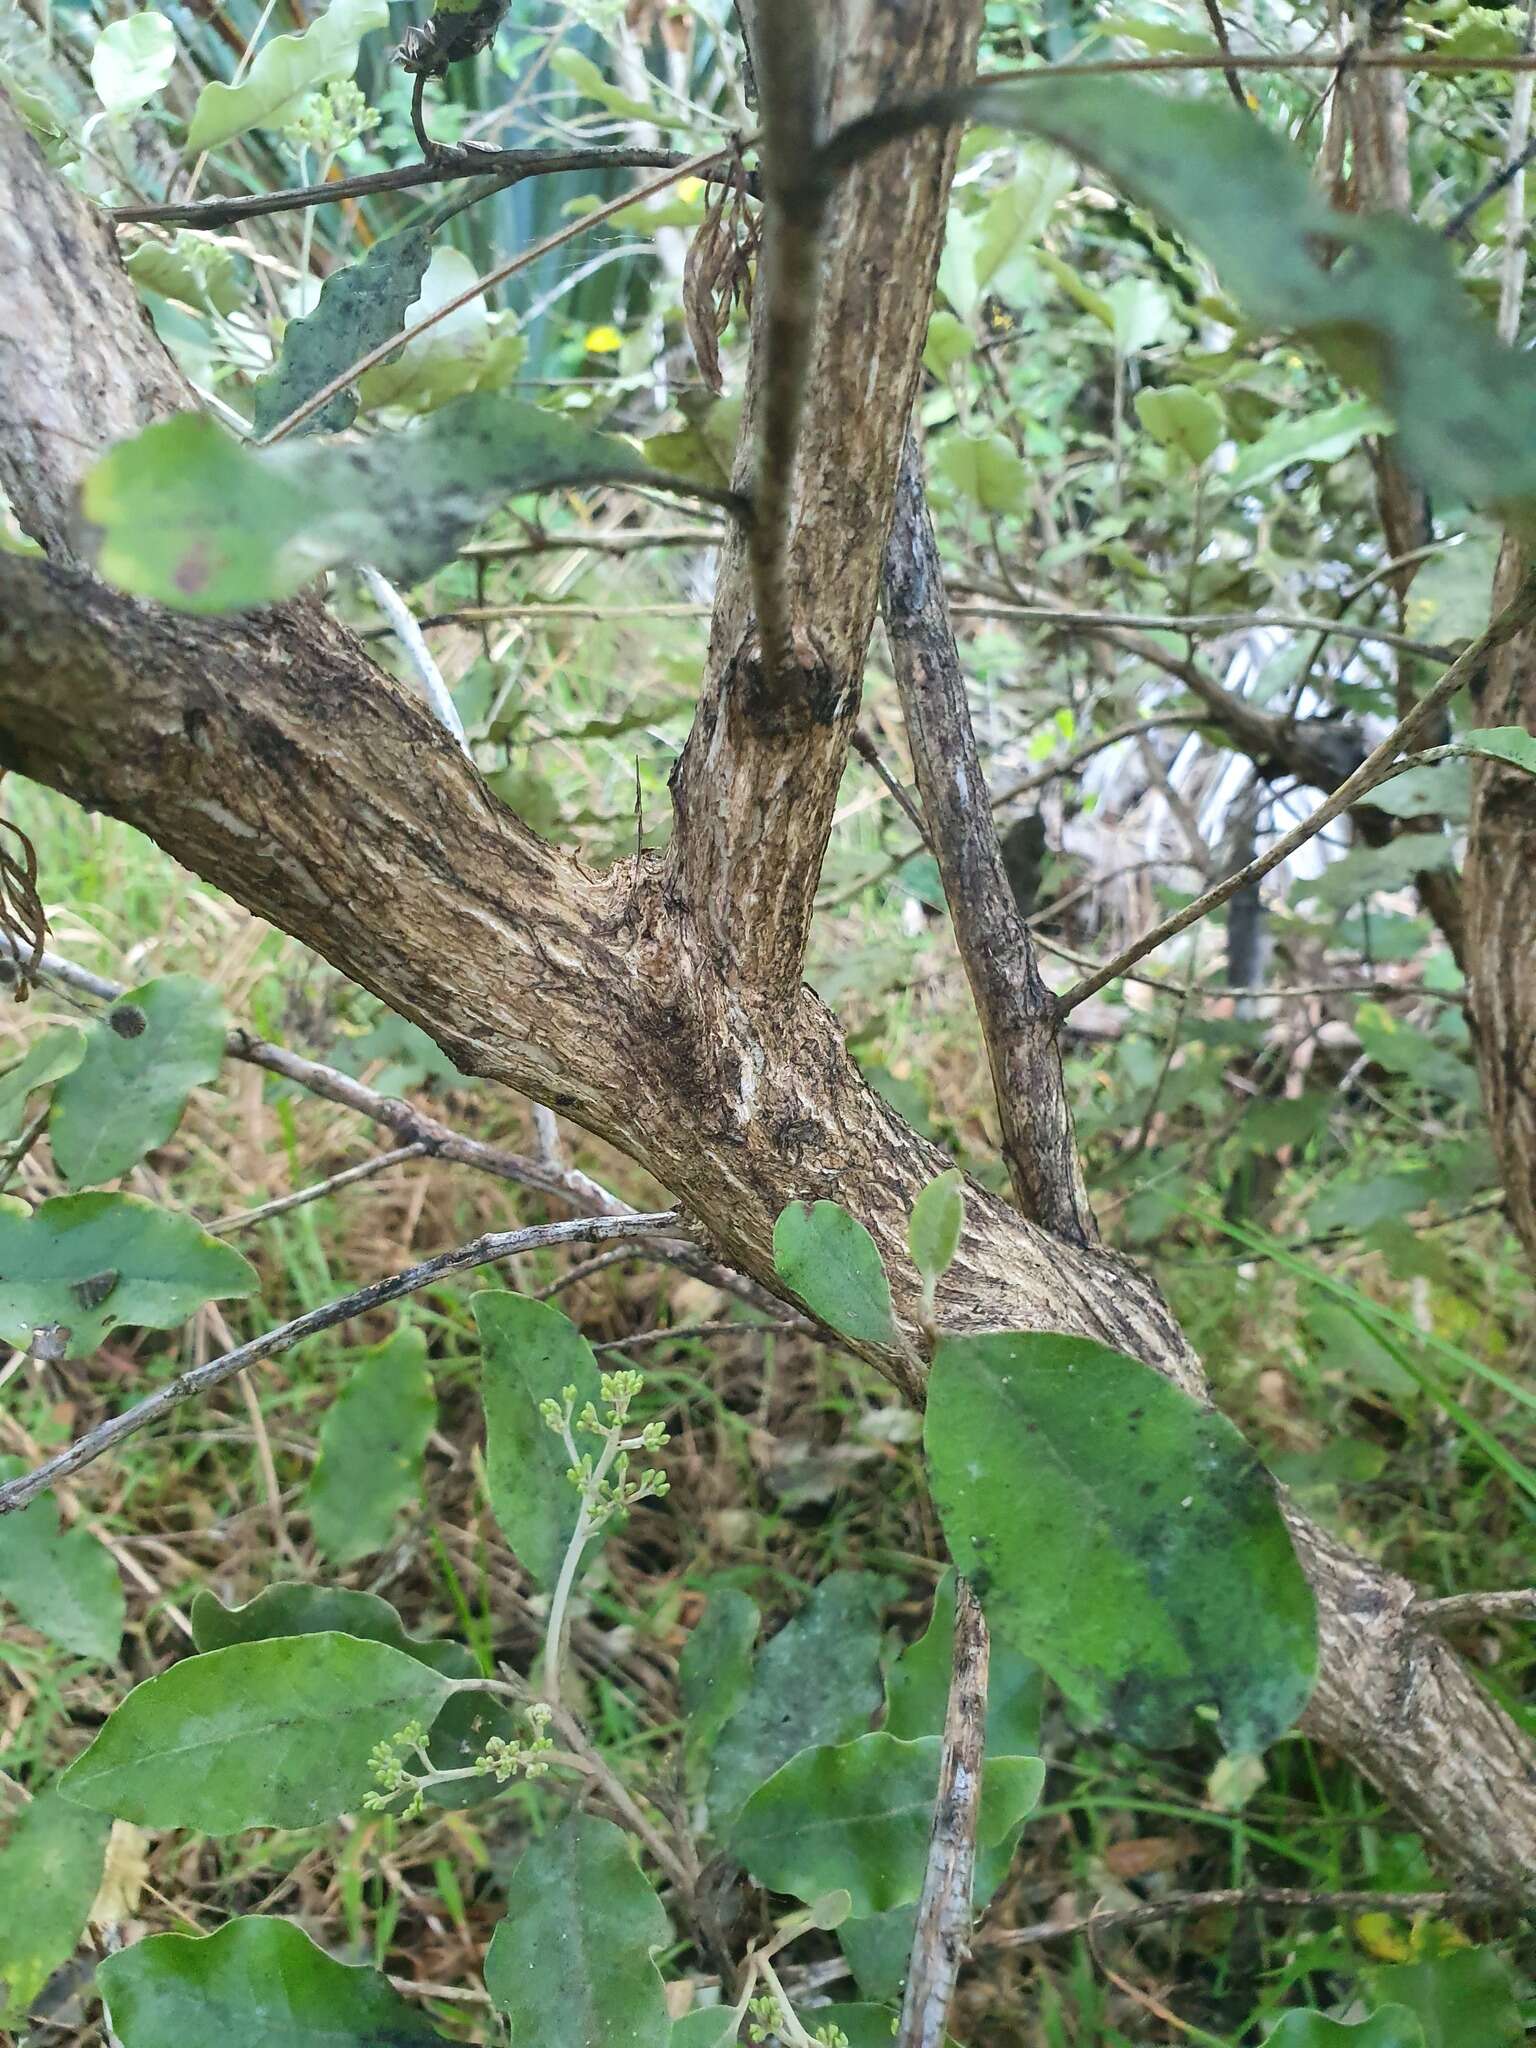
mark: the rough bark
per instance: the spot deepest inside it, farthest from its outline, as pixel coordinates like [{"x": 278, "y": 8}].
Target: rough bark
[
  {"x": 270, "y": 755},
  {"x": 758, "y": 780},
  {"x": 1500, "y": 891},
  {"x": 1017, "y": 1010}
]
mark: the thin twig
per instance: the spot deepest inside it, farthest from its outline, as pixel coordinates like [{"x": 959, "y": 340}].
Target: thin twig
[
  {"x": 1520, "y": 151},
  {"x": 1276, "y": 1898},
  {"x": 505, "y": 166},
  {"x": 1421, "y": 718},
  {"x": 1217, "y": 19},
  {"x": 864, "y": 746},
  {"x": 486, "y": 1250},
  {"x": 1457, "y": 1608},
  {"x": 1200, "y": 622},
  {"x": 566, "y": 1184},
  {"x": 407, "y": 631},
  {"x": 366, "y": 1171},
  {"x": 481, "y": 285},
  {"x": 625, "y": 540},
  {"x": 944, "y": 1910}
]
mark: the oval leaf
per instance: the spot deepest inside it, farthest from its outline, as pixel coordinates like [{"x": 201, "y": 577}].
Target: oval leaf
[
  {"x": 857, "y": 1817},
  {"x": 938, "y": 1217},
  {"x": 571, "y": 1965},
  {"x": 1511, "y": 743},
  {"x": 285, "y": 69},
  {"x": 142, "y": 1060},
  {"x": 54, "y": 1054},
  {"x": 82, "y": 1264},
  {"x": 529, "y": 1351},
  {"x": 1122, "y": 1535},
  {"x": 832, "y": 1263},
  {"x": 715, "y": 1669},
  {"x": 271, "y": 1734},
  {"x": 372, "y": 1445},
  {"x": 196, "y": 520},
  {"x": 461, "y": 1730},
  {"x": 254, "y": 1981},
  {"x": 817, "y": 1681},
  {"x": 62, "y": 1582},
  {"x": 50, "y": 1865},
  {"x": 1184, "y": 420},
  {"x": 132, "y": 60}
]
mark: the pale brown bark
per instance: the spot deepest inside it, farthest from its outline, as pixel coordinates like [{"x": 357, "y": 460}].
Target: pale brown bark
[
  {"x": 269, "y": 754},
  {"x": 1500, "y": 890}
]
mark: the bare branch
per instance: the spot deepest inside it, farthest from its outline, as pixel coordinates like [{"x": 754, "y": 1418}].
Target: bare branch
[
  {"x": 380, "y": 1163},
  {"x": 1017, "y": 1011},
  {"x": 1456, "y": 1609},
  {"x": 944, "y": 1910},
  {"x": 407, "y": 631},
  {"x": 503, "y": 167},
  {"x": 481, "y": 1251},
  {"x": 621, "y": 541},
  {"x": 1274, "y": 1898},
  {"x": 1352, "y": 790}
]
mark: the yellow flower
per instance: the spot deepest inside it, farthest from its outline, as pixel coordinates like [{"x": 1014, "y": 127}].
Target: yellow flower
[
  {"x": 689, "y": 188},
  {"x": 603, "y": 341}
]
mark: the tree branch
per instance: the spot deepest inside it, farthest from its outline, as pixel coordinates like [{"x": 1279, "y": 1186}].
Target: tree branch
[
  {"x": 481, "y": 1251},
  {"x": 1517, "y": 614},
  {"x": 503, "y": 167},
  {"x": 941, "y": 1937},
  {"x": 757, "y": 783},
  {"x": 1017, "y": 1011}
]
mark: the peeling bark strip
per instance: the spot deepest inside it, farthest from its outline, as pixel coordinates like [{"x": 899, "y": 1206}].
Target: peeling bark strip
[
  {"x": 270, "y": 755},
  {"x": 1017, "y": 1010}
]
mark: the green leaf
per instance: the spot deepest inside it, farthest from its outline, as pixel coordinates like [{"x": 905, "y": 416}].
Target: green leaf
[
  {"x": 938, "y": 1217},
  {"x": 285, "y": 70},
  {"x": 830, "y": 1260},
  {"x": 50, "y": 1868},
  {"x": 867, "y": 2026},
  {"x": 461, "y": 1730},
  {"x": 62, "y": 1582},
  {"x": 1393, "y": 2027},
  {"x": 372, "y": 1444},
  {"x": 1017, "y": 216},
  {"x": 1461, "y": 2000},
  {"x": 1511, "y": 743},
  {"x": 581, "y": 72},
  {"x": 857, "y": 1816},
  {"x": 1362, "y": 290},
  {"x": 255, "y": 1981},
  {"x": 45, "y": 1060},
  {"x": 142, "y": 1060},
  {"x": 1315, "y": 437},
  {"x": 529, "y": 1351},
  {"x": 1451, "y": 595},
  {"x": 358, "y": 308},
  {"x": 817, "y": 1681},
  {"x": 949, "y": 342},
  {"x": 715, "y": 1669},
  {"x": 193, "y": 519},
  {"x": 194, "y": 269},
  {"x": 470, "y": 349},
  {"x": 1140, "y": 314},
  {"x": 984, "y": 468},
  {"x": 132, "y": 60},
  {"x": 917, "y": 1686},
  {"x": 571, "y": 1965},
  {"x": 83, "y": 1264},
  {"x": 1121, "y": 1534},
  {"x": 1184, "y": 420},
  {"x": 272, "y": 1734}
]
